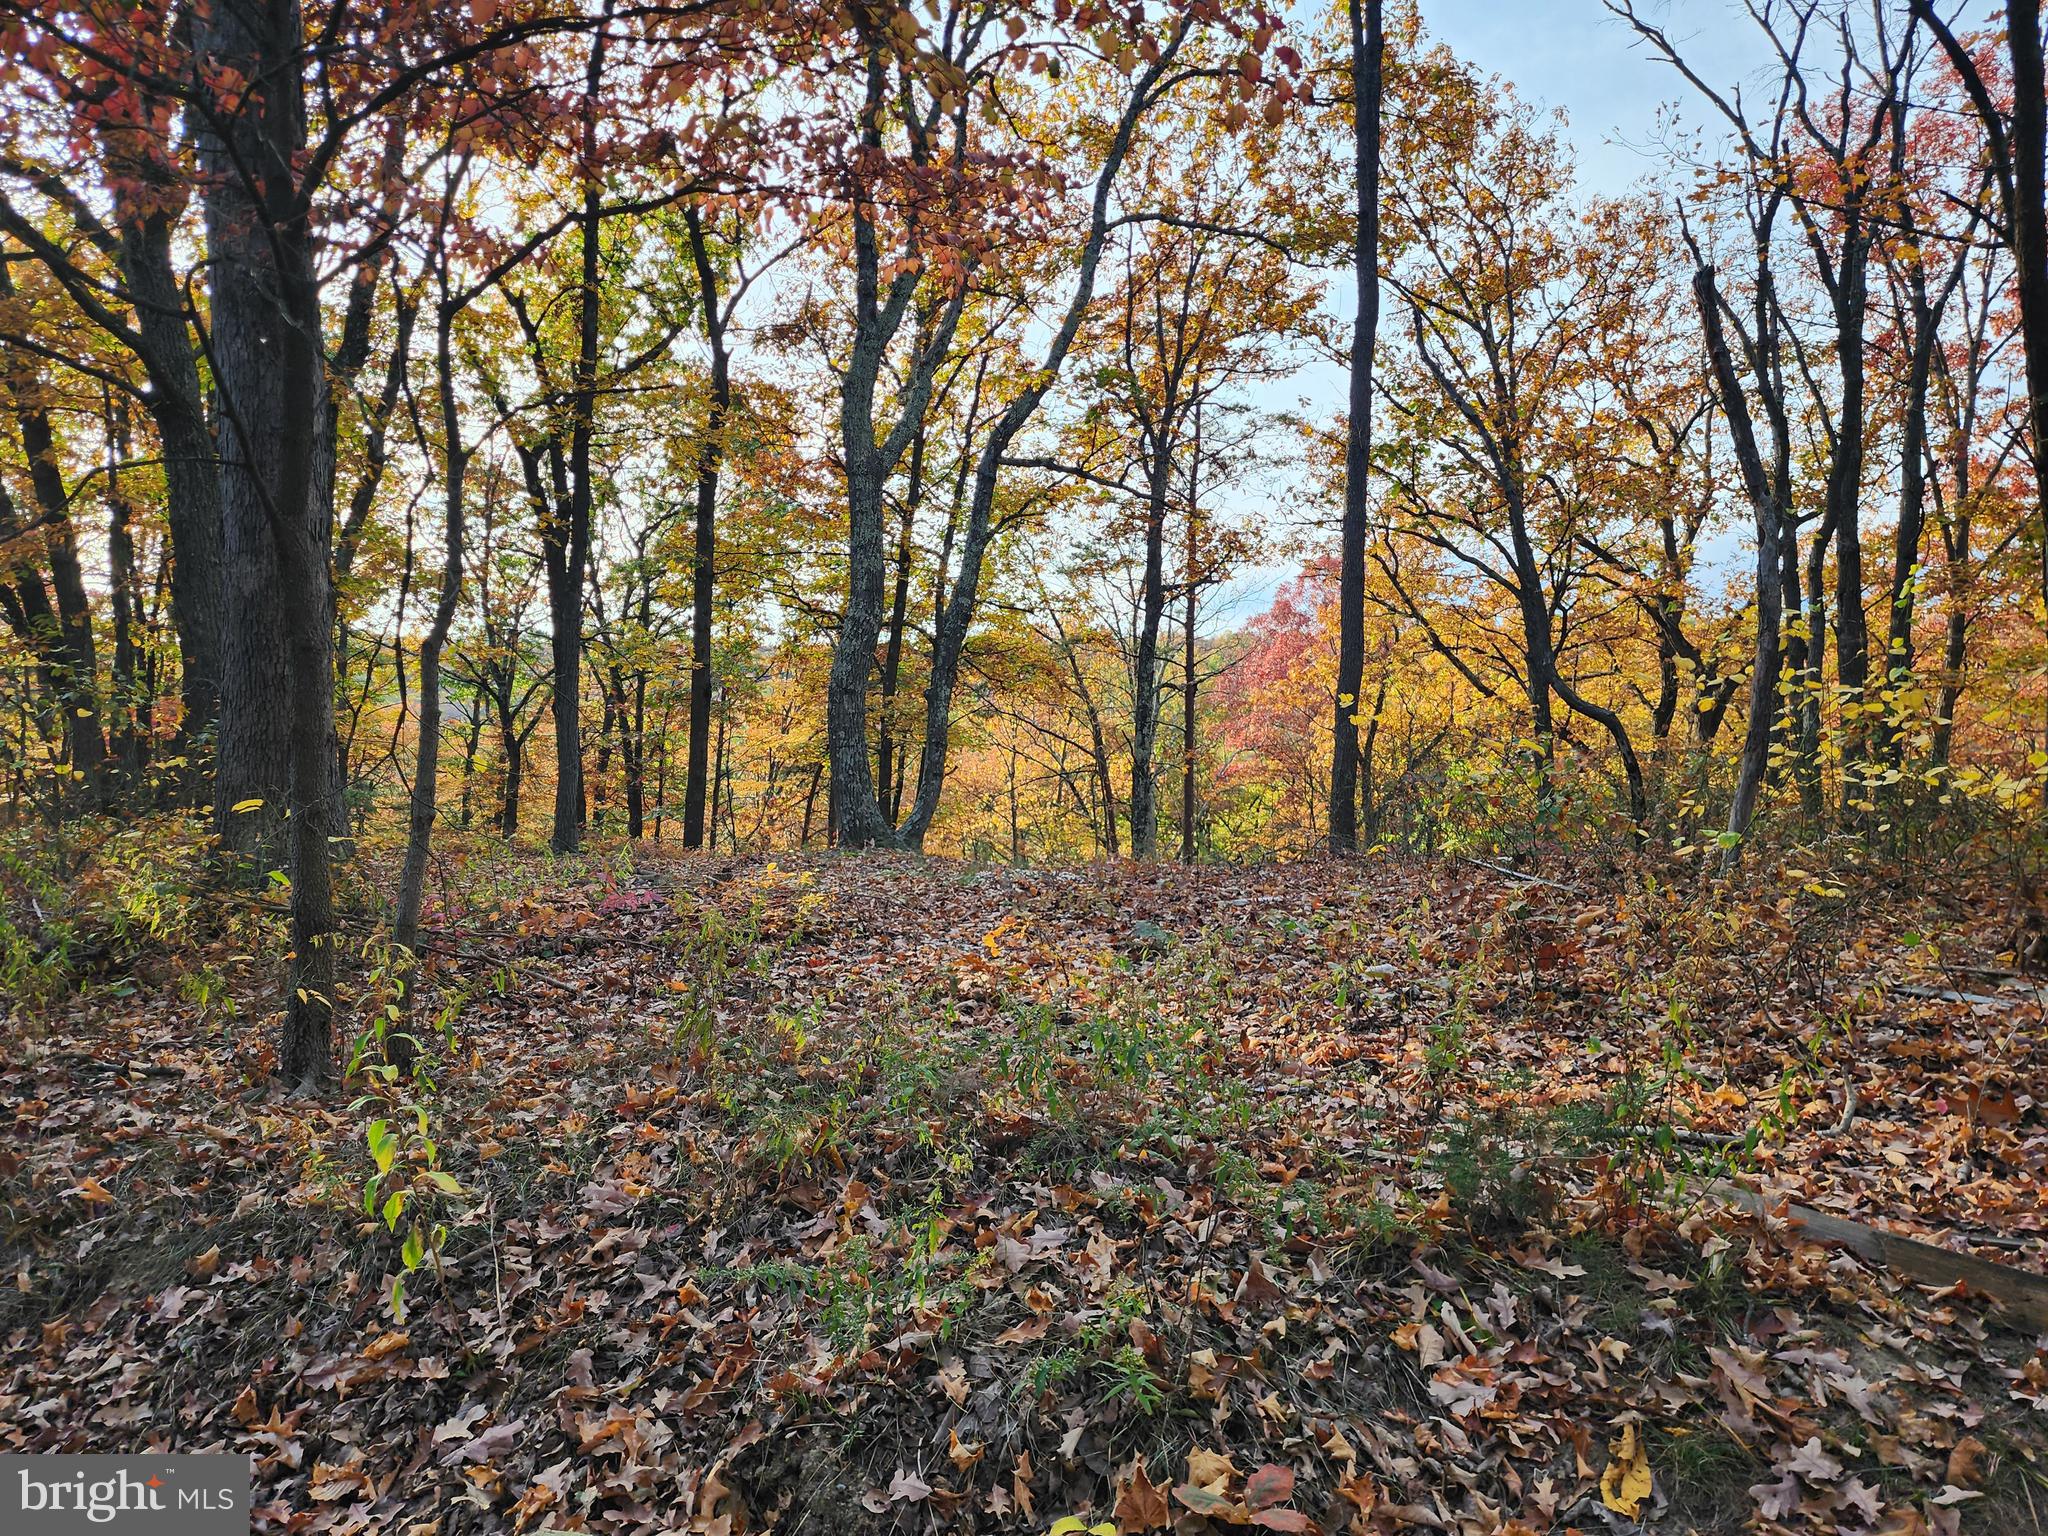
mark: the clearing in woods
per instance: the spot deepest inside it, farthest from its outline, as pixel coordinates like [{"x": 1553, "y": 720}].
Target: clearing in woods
[{"x": 834, "y": 1194}]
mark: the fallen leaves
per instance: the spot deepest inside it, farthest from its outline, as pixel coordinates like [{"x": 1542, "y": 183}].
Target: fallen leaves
[
  {"x": 693, "y": 1274},
  {"x": 1140, "y": 1503},
  {"x": 1626, "y": 1484}
]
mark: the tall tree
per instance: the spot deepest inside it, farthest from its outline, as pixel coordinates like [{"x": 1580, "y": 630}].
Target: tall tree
[
  {"x": 2016, "y": 144},
  {"x": 1368, "y": 50}
]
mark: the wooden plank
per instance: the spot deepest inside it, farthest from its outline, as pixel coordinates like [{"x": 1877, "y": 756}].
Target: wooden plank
[{"x": 2023, "y": 1295}]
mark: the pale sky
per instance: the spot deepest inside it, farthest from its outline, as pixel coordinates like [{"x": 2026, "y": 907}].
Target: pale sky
[{"x": 1577, "y": 56}]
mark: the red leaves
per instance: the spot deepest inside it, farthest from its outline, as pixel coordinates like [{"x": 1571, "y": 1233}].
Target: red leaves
[{"x": 1267, "y": 1487}]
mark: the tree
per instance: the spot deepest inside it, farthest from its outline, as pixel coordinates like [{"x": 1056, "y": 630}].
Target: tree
[
  {"x": 1368, "y": 50},
  {"x": 2016, "y": 149}
]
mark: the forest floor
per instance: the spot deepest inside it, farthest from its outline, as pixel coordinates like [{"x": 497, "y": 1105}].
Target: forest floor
[{"x": 876, "y": 1194}]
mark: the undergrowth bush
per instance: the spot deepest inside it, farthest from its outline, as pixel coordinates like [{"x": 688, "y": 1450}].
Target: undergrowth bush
[{"x": 91, "y": 901}]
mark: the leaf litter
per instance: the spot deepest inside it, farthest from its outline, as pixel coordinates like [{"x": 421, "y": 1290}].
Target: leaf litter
[{"x": 877, "y": 1195}]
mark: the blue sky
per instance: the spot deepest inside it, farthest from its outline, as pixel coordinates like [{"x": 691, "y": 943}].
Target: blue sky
[{"x": 1577, "y": 56}]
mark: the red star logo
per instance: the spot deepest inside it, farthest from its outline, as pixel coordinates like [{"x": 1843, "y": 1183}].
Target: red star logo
[{"x": 155, "y": 1481}]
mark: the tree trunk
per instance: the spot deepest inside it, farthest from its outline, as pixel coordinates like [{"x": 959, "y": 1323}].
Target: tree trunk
[
  {"x": 129, "y": 742},
  {"x": 1367, "y": 50},
  {"x": 72, "y": 657},
  {"x": 2028, "y": 218},
  {"x": 566, "y": 541},
  {"x": 1187, "y": 710},
  {"x": 1844, "y": 499},
  {"x": 412, "y": 880},
  {"x": 710, "y": 457},
  {"x": 634, "y": 747},
  {"x": 269, "y": 370},
  {"x": 514, "y": 750},
  {"x": 1145, "y": 679},
  {"x": 1763, "y": 684},
  {"x": 193, "y": 508},
  {"x": 248, "y": 340},
  {"x": 886, "y": 769},
  {"x": 958, "y": 612}
]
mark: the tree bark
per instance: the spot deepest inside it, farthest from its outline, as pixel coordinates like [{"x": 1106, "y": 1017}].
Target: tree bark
[
  {"x": 703, "y": 571},
  {"x": 1145, "y": 679},
  {"x": 957, "y": 616},
  {"x": 1763, "y": 683},
  {"x": 566, "y": 538},
  {"x": 251, "y": 322},
  {"x": 269, "y": 368},
  {"x": 426, "y": 779},
  {"x": 1367, "y": 51}
]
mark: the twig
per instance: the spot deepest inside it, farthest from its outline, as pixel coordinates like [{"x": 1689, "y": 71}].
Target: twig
[{"x": 1511, "y": 873}]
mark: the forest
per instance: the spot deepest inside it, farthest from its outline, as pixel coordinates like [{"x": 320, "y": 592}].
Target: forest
[{"x": 1057, "y": 766}]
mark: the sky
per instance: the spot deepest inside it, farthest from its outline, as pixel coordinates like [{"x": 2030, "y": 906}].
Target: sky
[{"x": 1577, "y": 56}]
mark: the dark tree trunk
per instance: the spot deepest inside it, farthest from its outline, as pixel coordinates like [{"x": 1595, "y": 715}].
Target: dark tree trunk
[
  {"x": 1145, "y": 679},
  {"x": 1367, "y": 49},
  {"x": 2019, "y": 163},
  {"x": 2028, "y": 218},
  {"x": 887, "y": 770},
  {"x": 1845, "y": 490},
  {"x": 270, "y": 372},
  {"x": 129, "y": 741},
  {"x": 871, "y": 456},
  {"x": 1763, "y": 684},
  {"x": 30, "y": 615},
  {"x": 426, "y": 779},
  {"x": 513, "y": 746},
  {"x": 1187, "y": 710},
  {"x": 956, "y": 615},
  {"x": 252, "y": 328},
  {"x": 72, "y": 657},
  {"x": 703, "y": 571},
  {"x": 566, "y": 538}
]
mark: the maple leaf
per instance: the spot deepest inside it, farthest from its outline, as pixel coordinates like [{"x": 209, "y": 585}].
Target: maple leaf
[
  {"x": 1140, "y": 1503},
  {"x": 1269, "y": 1485}
]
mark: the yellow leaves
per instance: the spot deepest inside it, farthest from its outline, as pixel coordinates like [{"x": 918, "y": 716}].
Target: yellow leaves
[
  {"x": 1626, "y": 1484},
  {"x": 1070, "y": 1525},
  {"x": 92, "y": 1191},
  {"x": 244, "y": 807}
]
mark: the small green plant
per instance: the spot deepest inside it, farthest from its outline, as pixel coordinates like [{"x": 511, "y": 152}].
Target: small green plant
[
  {"x": 407, "y": 1185},
  {"x": 1127, "y": 1378}
]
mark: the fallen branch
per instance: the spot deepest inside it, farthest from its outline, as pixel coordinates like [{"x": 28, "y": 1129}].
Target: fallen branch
[
  {"x": 1508, "y": 871},
  {"x": 1950, "y": 995},
  {"x": 2023, "y": 1294}
]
